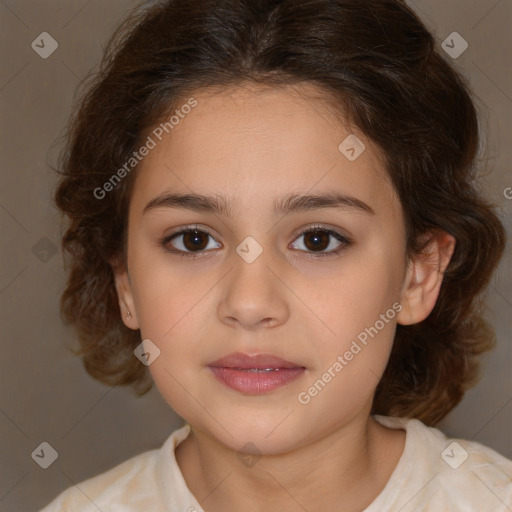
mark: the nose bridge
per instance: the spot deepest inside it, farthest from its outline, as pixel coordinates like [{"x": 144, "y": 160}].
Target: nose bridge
[
  {"x": 252, "y": 291},
  {"x": 251, "y": 276}
]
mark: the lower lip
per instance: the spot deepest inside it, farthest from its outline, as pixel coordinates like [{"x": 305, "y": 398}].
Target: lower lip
[{"x": 256, "y": 383}]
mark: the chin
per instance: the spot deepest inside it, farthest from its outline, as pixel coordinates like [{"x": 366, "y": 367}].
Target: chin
[{"x": 259, "y": 436}]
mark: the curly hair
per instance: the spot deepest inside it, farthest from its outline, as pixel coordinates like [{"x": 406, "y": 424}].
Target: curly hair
[{"x": 379, "y": 66}]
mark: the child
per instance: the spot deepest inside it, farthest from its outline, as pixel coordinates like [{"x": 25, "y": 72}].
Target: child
[{"x": 274, "y": 217}]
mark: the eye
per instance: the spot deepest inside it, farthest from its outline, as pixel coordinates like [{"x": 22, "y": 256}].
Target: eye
[
  {"x": 320, "y": 241},
  {"x": 188, "y": 241}
]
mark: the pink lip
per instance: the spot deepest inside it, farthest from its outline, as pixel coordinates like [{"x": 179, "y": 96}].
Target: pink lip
[{"x": 248, "y": 374}]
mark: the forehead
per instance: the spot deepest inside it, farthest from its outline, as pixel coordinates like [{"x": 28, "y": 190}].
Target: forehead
[{"x": 257, "y": 142}]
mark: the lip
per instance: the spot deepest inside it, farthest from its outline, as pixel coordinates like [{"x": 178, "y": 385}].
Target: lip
[
  {"x": 255, "y": 375},
  {"x": 257, "y": 362}
]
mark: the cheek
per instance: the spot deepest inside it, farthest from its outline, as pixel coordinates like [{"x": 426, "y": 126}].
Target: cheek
[
  {"x": 351, "y": 362},
  {"x": 172, "y": 305},
  {"x": 359, "y": 307},
  {"x": 365, "y": 288},
  {"x": 167, "y": 293}
]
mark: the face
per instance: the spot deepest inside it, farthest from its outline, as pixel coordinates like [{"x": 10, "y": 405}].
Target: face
[{"x": 305, "y": 284}]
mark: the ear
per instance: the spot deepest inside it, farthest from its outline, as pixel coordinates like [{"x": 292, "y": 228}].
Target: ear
[
  {"x": 424, "y": 277},
  {"x": 125, "y": 295}
]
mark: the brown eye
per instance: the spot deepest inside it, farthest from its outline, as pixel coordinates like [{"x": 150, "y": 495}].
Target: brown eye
[
  {"x": 317, "y": 240},
  {"x": 188, "y": 242},
  {"x": 195, "y": 240}
]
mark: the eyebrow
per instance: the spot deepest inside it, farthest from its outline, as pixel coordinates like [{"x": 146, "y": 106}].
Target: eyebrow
[{"x": 288, "y": 204}]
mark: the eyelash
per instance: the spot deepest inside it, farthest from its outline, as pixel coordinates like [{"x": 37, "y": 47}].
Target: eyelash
[{"x": 345, "y": 242}]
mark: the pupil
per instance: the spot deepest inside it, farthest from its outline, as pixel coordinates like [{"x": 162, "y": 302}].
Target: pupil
[
  {"x": 320, "y": 238},
  {"x": 196, "y": 237}
]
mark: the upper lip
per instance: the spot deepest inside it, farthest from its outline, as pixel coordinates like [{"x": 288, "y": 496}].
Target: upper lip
[{"x": 257, "y": 362}]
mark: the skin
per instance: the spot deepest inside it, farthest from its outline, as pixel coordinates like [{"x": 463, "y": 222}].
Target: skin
[{"x": 253, "y": 145}]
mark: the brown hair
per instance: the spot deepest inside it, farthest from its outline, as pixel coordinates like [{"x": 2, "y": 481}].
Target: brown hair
[{"x": 380, "y": 65}]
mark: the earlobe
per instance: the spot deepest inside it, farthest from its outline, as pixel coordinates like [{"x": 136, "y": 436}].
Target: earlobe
[
  {"x": 424, "y": 278},
  {"x": 125, "y": 298}
]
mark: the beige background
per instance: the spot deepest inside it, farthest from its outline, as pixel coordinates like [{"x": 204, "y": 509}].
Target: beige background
[{"x": 45, "y": 393}]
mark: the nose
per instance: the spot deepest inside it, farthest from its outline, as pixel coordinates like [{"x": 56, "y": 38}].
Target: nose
[{"x": 254, "y": 295}]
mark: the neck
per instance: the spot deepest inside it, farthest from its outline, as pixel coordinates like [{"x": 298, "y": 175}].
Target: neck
[{"x": 343, "y": 470}]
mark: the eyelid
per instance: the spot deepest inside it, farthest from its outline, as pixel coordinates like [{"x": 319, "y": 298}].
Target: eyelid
[
  {"x": 189, "y": 227},
  {"x": 323, "y": 227}
]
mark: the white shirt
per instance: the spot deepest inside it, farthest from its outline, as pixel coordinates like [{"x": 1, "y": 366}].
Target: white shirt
[{"x": 434, "y": 474}]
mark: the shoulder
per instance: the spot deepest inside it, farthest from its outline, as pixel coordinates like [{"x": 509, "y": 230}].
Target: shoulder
[
  {"x": 120, "y": 485},
  {"x": 451, "y": 474},
  {"x": 131, "y": 485}
]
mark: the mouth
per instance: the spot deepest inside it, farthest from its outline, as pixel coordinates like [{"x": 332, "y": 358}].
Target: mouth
[{"x": 255, "y": 375}]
